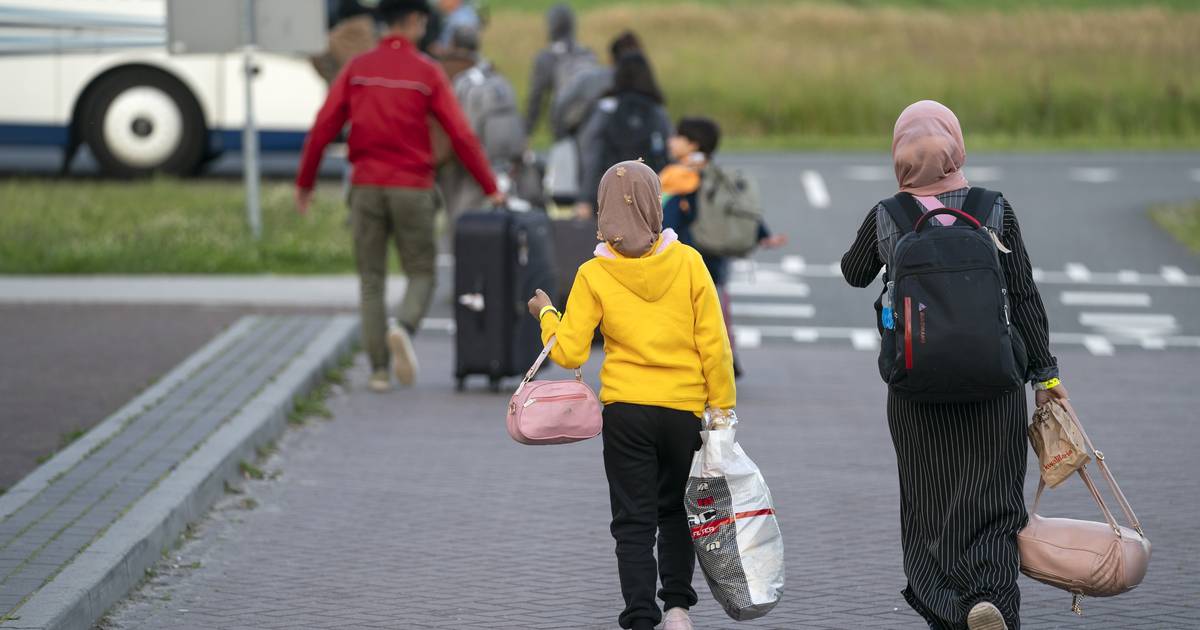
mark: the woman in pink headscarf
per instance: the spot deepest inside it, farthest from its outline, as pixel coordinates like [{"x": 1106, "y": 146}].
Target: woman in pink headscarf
[{"x": 961, "y": 465}]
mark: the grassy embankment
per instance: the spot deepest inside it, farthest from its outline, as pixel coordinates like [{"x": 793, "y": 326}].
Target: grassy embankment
[
  {"x": 828, "y": 75},
  {"x": 1182, "y": 221}
]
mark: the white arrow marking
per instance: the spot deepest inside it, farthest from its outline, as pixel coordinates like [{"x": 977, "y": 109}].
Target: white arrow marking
[
  {"x": 806, "y": 335},
  {"x": 747, "y": 337},
  {"x": 760, "y": 288},
  {"x": 1128, "y": 276},
  {"x": 814, "y": 188},
  {"x": 792, "y": 264},
  {"x": 1140, "y": 325},
  {"x": 864, "y": 339}
]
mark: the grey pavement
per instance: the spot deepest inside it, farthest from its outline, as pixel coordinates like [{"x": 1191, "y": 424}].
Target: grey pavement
[
  {"x": 415, "y": 510},
  {"x": 49, "y": 521},
  {"x": 67, "y": 367}
]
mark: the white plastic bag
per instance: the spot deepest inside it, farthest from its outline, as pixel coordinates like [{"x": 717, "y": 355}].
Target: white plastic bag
[{"x": 734, "y": 529}]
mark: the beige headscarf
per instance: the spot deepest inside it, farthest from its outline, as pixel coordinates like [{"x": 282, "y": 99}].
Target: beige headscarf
[
  {"x": 630, "y": 208},
  {"x": 928, "y": 150}
]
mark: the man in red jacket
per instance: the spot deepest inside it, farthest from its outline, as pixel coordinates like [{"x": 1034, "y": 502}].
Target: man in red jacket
[{"x": 387, "y": 95}]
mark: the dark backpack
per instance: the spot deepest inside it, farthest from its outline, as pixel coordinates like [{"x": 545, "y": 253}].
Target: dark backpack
[
  {"x": 632, "y": 132},
  {"x": 952, "y": 338}
]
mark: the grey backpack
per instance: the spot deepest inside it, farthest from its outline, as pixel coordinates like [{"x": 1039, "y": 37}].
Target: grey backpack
[
  {"x": 573, "y": 101},
  {"x": 490, "y": 104},
  {"x": 728, "y": 215}
]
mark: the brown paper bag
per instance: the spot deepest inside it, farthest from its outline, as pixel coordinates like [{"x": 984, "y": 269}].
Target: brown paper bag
[{"x": 1056, "y": 440}]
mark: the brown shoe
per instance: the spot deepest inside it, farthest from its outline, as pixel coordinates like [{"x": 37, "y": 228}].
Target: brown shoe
[
  {"x": 380, "y": 382},
  {"x": 985, "y": 616},
  {"x": 404, "y": 357}
]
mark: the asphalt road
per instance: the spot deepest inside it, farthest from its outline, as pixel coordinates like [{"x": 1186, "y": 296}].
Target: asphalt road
[{"x": 1112, "y": 281}]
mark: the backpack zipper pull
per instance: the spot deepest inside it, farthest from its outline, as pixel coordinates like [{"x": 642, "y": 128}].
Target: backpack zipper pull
[
  {"x": 1004, "y": 292},
  {"x": 996, "y": 239}
]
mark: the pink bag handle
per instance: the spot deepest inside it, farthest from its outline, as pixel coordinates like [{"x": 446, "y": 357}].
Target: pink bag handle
[
  {"x": 1087, "y": 480},
  {"x": 537, "y": 365}
]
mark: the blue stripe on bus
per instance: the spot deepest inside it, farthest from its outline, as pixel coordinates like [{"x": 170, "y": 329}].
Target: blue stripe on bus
[
  {"x": 231, "y": 140},
  {"x": 220, "y": 140},
  {"x": 34, "y": 135}
]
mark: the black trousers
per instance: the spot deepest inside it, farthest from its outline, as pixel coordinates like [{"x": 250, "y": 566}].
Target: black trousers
[{"x": 647, "y": 456}]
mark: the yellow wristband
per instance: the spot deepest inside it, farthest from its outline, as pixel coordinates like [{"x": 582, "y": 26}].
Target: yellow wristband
[
  {"x": 1050, "y": 384},
  {"x": 548, "y": 307}
]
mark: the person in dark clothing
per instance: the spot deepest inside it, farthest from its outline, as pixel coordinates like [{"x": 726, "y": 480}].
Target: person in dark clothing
[
  {"x": 692, "y": 149},
  {"x": 389, "y": 95},
  {"x": 630, "y": 123},
  {"x": 555, "y": 64},
  {"x": 961, "y": 465}
]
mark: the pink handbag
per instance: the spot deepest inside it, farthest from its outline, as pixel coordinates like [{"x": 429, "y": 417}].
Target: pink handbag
[
  {"x": 1085, "y": 557},
  {"x": 553, "y": 412}
]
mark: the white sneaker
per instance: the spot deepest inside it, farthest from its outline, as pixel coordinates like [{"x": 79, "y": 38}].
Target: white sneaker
[
  {"x": 677, "y": 619},
  {"x": 404, "y": 357},
  {"x": 380, "y": 382},
  {"x": 985, "y": 616}
]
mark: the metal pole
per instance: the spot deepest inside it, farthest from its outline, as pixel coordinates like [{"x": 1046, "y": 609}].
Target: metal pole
[{"x": 250, "y": 130}]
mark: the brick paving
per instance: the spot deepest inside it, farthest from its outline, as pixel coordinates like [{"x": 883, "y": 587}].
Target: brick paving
[
  {"x": 41, "y": 535},
  {"x": 415, "y": 510}
]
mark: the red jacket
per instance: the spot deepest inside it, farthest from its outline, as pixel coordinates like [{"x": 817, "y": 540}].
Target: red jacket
[{"x": 387, "y": 95}]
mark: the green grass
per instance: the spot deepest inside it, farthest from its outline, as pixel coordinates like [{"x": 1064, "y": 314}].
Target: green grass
[
  {"x": 166, "y": 226},
  {"x": 951, "y": 5},
  {"x": 836, "y": 75},
  {"x": 1182, "y": 222}
]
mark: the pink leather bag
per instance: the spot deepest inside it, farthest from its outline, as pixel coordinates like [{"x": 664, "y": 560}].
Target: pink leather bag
[
  {"x": 1085, "y": 557},
  {"x": 553, "y": 412}
]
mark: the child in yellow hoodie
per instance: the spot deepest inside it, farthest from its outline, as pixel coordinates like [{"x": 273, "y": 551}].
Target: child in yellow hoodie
[{"x": 667, "y": 359}]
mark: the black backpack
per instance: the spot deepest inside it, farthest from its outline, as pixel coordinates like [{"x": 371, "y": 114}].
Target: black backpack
[
  {"x": 632, "y": 132},
  {"x": 953, "y": 339}
]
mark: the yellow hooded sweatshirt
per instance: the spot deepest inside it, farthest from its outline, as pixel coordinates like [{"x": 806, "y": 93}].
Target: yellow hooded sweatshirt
[{"x": 665, "y": 342}]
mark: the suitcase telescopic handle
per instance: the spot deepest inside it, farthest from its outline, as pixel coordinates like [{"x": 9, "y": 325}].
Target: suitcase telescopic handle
[{"x": 958, "y": 214}]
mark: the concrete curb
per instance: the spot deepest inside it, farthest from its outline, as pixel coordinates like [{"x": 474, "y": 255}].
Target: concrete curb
[{"x": 116, "y": 561}]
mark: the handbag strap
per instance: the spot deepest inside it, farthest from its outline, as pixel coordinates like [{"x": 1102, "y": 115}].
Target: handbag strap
[
  {"x": 537, "y": 365},
  {"x": 1087, "y": 480},
  {"x": 1102, "y": 464}
]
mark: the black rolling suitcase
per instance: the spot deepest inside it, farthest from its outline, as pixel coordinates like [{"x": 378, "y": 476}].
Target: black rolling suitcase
[{"x": 501, "y": 258}]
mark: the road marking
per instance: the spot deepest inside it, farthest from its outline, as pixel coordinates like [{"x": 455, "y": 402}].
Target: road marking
[
  {"x": 1094, "y": 175},
  {"x": 1100, "y": 298},
  {"x": 1154, "y": 343},
  {"x": 806, "y": 335},
  {"x": 870, "y": 173},
  {"x": 864, "y": 339},
  {"x": 814, "y": 188},
  {"x": 1038, "y": 274},
  {"x": 1098, "y": 346},
  {"x": 1174, "y": 275},
  {"x": 983, "y": 173},
  {"x": 758, "y": 288},
  {"x": 747, "y": 337},
  {"x": 1134, "y": 325},
  {"x": 760, "y": 309},
  {"x": 792, "y": 264},
  {"x": 1128, "y": 276},
  {"x": 1077, "y": 272}
]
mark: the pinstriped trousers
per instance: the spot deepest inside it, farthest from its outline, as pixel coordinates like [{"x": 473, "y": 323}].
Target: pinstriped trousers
[{"x": 962, "y": 471}]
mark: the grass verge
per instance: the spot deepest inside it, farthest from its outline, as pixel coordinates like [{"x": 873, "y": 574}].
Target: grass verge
[
  {"x": 1181, "y": 221},
  {"x": 166, "y": 226},
  {"x": 815, "y": 74}
]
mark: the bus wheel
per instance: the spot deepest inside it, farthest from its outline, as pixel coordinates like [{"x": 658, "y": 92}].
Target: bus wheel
[{"x": 139, "y": 121}]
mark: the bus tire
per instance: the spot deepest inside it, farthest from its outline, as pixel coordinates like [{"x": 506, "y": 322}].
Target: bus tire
[{"x": 139, "y": 121}]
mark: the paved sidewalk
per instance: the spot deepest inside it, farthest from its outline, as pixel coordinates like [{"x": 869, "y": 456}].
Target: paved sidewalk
[
  {"x": 415, "y": 510},
  {"x": 73, "y": 530}
]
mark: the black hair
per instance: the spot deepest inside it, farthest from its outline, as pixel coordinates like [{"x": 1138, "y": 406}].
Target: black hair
[
  {"x": 633, "y": 74},
  {"x": 703, "y": 131},
  {"x": 392, "y": 12},
  {"x": 626, "y": 42}
]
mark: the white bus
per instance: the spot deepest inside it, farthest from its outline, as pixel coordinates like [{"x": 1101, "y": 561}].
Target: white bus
[{"x": 97, "y": 72}]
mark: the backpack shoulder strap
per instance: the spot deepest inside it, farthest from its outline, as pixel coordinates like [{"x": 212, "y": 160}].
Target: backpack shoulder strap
[
  {"x": 904, "y": 211},
  {"x": 979, "y": 203}
]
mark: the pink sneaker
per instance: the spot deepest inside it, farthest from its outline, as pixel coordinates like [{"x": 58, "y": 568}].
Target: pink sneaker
[{"x": 677, "y": 619}]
